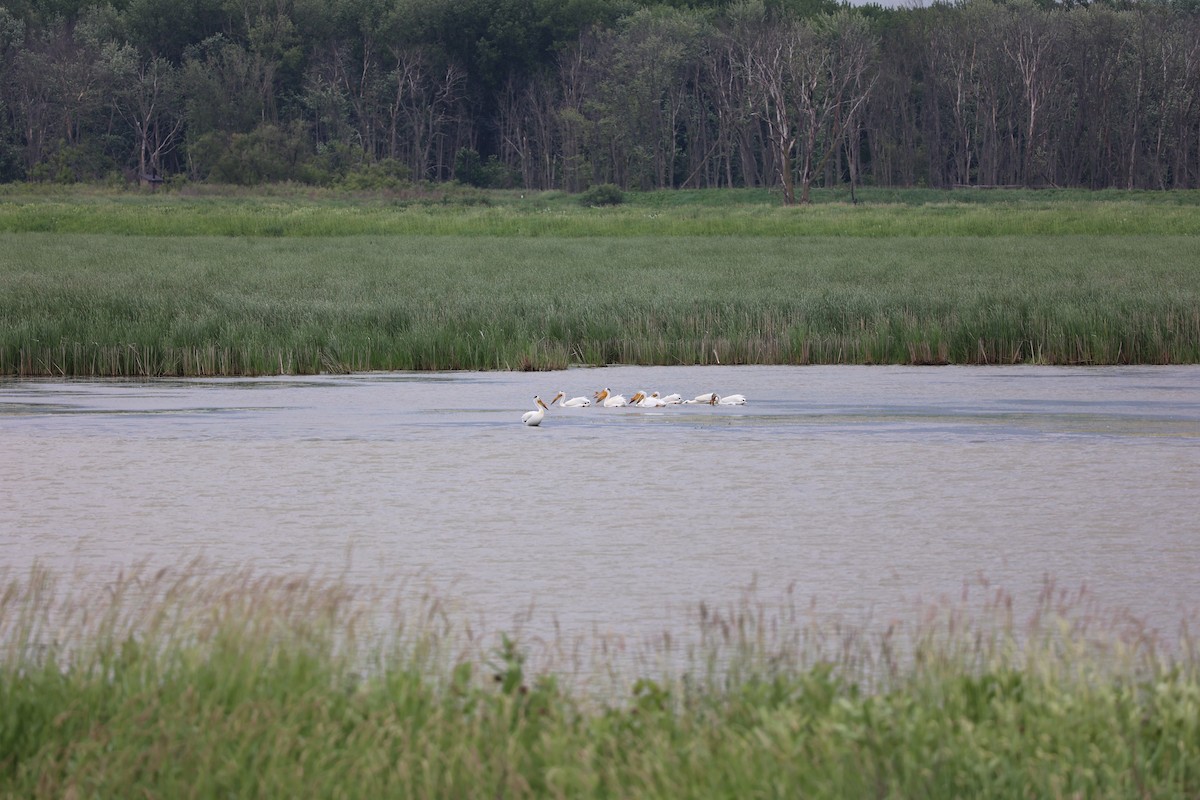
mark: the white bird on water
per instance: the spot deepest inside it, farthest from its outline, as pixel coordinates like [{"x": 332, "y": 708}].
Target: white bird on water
[
  {"x": 535, "y": 417},
  {"x": 707, "y": 399},
  {"x": 732, "y": 400},
  {"x": 646, "y": 400},
  {"x": 608, "y": 400},
  {"x": 574, "y": 402}
]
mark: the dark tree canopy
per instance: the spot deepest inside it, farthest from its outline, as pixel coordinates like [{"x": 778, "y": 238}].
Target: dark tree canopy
[{"x": 575, "y": 93}]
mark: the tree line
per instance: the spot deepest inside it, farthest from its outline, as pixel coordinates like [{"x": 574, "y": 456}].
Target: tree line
[{"x": 567, "y": 94}]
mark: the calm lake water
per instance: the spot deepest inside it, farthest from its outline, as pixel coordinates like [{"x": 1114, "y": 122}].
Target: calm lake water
[{"x": 862, "y": 488}]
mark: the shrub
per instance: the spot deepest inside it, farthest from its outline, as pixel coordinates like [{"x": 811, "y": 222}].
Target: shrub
[
  {"x": 472, "y": 170},
  {"x": 266, "y": 154},
  {"x": 72, "y": 164},
  {"x": 387, "y": 173},
  {"x": 606, "y": 194}
]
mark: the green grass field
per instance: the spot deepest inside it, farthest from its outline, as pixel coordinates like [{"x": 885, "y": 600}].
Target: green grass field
[
  {"x": 188, "y": 684},
  {"x": 170, "y": 284}
]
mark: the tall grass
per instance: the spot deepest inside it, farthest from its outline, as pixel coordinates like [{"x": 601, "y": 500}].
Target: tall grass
[
  {"x": 182, "y": 683},
  {"x": 89, "y": 304},
  {"x": 882, "y": 213}
]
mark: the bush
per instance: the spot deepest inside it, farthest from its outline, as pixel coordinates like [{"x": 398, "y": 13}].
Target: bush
[
  {"x": 470, "y": 169},
  {"x": 72, "y": 164},
  {"x": 606, "y": 194},
  {"x": 266, "y": 154},
  {"x": 12, "y": 168},
  {"x": 204, "y": 151},
  {"x": 385, "y": 174}
]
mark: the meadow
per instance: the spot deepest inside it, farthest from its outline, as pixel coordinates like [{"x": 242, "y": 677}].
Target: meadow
[
  {"x": 115, "y": 284},
  {"x": 186, "y": 683}
]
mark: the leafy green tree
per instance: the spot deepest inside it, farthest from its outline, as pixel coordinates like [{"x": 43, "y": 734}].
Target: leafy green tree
[
  {"x": 654, "y": 56},
  {"x": 167, "y": 28},
  {"x": 266, "y": 154},
  {"x": 58, "y": 87},
  {"x": 472, "y": 170},
  {"x": 228, "y": 88}
]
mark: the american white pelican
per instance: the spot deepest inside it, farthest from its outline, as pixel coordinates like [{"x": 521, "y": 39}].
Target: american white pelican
[
  {"x": 709, "y": 399},
  {"x": 646, "y": 401},
  {"x": 535, "y": 417},
  {"x": 672, "y": 400},
  {"x": 574, "y": 402},
  {"x": 605, "y": 398},
  {"x": 731, "y": 400}
]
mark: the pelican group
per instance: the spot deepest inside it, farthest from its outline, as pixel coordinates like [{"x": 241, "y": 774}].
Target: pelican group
[{"x": 641, "y": 399}]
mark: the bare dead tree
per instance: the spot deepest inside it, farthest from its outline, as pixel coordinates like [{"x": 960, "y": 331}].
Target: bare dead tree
[
  {"x": 812, "y": 79},
  {"x": 425, "y": 100},
  {"x": 149, "y": 103},
  {"x": 1029, "y": 42}
]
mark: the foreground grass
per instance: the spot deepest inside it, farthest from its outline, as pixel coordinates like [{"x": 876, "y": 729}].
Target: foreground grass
[
  {"x": 184, "y": 684},
  {"x": 125, "y": 284}
]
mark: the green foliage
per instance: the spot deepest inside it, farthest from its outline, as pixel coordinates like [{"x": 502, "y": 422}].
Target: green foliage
[
  {"x": 470, "y": 169},
  {"x": 226, "y": 87},
  {"x": 267, "y": 154},
  {"x": 75, "y": 164},
  {"x": 606, "y": 194},
  {"x": 561, "y": 94},
  {"x": 494, "y": 39},
  {"x": 11, "y": 166},
  {"x": 195, "y": 683},
  {"x": 388, "y": 174},
  {"x": 802, "y": 9},
  {"x": 167, "y": 28}
]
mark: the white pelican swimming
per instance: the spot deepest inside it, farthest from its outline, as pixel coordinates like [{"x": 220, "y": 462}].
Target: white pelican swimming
[
  {"x": 574, "y": 402},
  {"x": 646, "y": 401},
  {"x": 709, "y": 399},
  {"x": 535, "y": 417},
  {"x": 605, "y": 398},
  {"x": 672, "y": 400},
  {"x": 731, "y": 400}
]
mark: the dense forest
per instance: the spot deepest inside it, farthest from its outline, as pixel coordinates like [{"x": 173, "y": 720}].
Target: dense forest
[{"x": 567, "y": 94}]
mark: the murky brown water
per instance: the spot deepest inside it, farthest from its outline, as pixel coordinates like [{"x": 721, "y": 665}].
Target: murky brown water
[{"x": 864, "y": 487}]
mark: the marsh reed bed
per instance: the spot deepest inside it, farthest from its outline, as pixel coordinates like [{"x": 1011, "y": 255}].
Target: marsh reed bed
[
  {"x": 145, "y": 286},
  {"x": 190, "y": 683}
]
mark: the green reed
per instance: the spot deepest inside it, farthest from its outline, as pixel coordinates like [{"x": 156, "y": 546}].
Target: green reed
[
  {"x": 302, "y": 283},
  {"x": 194, "y": 683},
  {"x": 88, "y": 304},
  {"x": 454, "y": 211}
]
